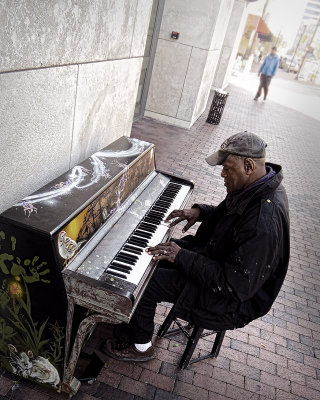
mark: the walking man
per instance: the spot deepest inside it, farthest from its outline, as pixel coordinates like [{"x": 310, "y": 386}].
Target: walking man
[{"x": 266, "y": 72}]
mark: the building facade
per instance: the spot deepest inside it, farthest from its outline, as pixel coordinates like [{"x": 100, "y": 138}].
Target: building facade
[{"x": 74, "y": 74}]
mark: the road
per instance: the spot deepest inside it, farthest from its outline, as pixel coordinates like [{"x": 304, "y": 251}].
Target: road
[{"x": 285, "y": 90}]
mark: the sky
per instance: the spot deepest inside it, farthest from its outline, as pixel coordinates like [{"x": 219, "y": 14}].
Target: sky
[{"x": 284, "y": 16}]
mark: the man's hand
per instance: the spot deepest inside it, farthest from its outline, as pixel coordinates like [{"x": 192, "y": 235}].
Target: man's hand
[
  {"x": 191, "y": 215},
  {"x": 164, "y": 251}
]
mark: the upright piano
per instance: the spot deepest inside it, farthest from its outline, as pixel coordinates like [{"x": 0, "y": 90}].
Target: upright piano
[{"x": 72, "y": 254}]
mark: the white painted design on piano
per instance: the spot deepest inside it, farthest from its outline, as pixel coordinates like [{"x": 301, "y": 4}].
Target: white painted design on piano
[{"x": 77, "y": 176}]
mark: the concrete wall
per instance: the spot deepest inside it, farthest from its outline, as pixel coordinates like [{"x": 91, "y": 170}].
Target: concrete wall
[
  {"x": 183, "y": 69},
  {"x": 230, "y": 44},
  {"x": 69, "y": 73}
]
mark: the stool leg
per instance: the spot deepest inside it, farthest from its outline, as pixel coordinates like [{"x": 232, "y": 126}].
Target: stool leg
[
  {"x": 192, "y": 342},
  {"x": 166, "y": 324},
  {"x": 217, "y": 343}
]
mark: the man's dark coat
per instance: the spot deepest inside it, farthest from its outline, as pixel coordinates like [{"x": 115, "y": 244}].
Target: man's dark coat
[{"x": 237, "y": 261}]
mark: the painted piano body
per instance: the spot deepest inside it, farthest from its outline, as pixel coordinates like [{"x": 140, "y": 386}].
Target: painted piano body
[{"x": 71, "y": 255}]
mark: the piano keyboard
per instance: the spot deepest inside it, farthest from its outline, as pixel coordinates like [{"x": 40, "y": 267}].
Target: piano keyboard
[
  {"x": 121, "y": 253},
  {"x": 132, "y": 259}
]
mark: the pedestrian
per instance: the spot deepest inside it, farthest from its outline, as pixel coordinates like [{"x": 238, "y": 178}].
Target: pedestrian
[
  {"x": 260, "y": 56},
  {"x": 266, "y": 71},
  {"x": 230, "y": 272}
]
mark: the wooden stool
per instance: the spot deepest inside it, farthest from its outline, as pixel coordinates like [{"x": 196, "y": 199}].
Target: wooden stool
[{"x": 193, "y": 338}]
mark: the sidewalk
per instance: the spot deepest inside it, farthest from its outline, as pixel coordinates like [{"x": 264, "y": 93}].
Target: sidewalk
[{"x": 275, "y": 357}]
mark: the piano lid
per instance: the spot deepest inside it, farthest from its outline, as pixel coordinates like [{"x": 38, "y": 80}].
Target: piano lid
[{"x": 54, "y": 204}]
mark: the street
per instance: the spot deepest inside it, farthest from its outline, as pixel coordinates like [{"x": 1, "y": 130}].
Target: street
[{"x": 285, "y": 90}]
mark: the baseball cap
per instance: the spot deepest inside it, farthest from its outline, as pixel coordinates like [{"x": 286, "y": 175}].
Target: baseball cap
[{"x": 244, "y": 144}]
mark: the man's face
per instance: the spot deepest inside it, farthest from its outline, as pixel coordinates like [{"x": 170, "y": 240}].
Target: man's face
[
  {"x": 234, "y": 175},
  {"x": 273, "y": 52}
]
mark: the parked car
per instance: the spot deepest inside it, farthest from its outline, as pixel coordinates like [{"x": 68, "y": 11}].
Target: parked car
[{"x": 287, "y": 63}]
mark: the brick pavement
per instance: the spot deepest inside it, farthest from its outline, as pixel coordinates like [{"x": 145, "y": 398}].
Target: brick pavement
[{"x": 275, "y": 357}]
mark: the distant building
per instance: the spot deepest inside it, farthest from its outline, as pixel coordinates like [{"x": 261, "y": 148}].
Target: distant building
[
  {"x": 306, "y": 46},
  {"x": 307, "y": 27},
  {"x": 312, "y": 12}
]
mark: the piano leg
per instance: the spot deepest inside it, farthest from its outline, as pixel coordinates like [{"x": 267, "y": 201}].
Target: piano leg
[{"x": 71, "y": 384}]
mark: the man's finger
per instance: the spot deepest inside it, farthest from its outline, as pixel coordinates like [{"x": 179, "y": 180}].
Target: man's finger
[
  {"x": 176, "y": 221},
  {"x": 173, "y": 214},
  {"x": 187, "y": 226}
]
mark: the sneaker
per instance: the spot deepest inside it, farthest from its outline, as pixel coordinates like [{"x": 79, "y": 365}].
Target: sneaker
[
  {"x": 126, "y": 352},
  {"x": 256, "y": 98}
]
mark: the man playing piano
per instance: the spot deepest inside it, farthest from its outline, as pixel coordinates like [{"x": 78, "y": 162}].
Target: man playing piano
[{"x": 230, "y": 272}]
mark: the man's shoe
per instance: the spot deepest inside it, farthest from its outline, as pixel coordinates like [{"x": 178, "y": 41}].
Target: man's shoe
[
  {"x": 126, "y": 352},
  {"x": 264, "y": 99},
  {"x": 256, "y": 98}
]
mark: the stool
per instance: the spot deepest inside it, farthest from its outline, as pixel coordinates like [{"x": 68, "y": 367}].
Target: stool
[{"x": 193, "y": 338}]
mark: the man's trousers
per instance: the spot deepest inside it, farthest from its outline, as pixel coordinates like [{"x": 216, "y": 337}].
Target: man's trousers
[
  {"x": 166, "y": 285},
  {"x": 264, "y": 83}
]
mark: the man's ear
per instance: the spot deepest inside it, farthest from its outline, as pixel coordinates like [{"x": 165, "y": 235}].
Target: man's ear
[{"x": 249, "y": 166}]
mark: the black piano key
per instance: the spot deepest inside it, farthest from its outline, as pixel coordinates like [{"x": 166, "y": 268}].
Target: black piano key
[
  {"x": 116, "y": 274},
  {"x": 156, "y": 213},
  {"x": 131, "y": 256},
  {"x": 118, "y": 264},
  {"x": 171, "y": 189},
  {"x": 152, "y": 220},
  {"x": 168, "y": 199},
  {"x": 163, "y": 202},
  {"x": 137, "y": 243},
  {"x": 169, "y": 192},
  {"x": 120, "y": 269},
  {"x": 132, "y": 249},
  {"x": 160, "y": 209},
  {"x": 124, "y": 260},
  {"x": 174, "y": 186},
  {"x": 140, "y": 239},
  {"x": 143, "y": 233},
  {"x": 156, "y": 218},
  {"x": 147, "y": 227}
]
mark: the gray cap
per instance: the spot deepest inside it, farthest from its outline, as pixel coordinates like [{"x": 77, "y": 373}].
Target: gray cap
[{"x": 244, "y": 144}]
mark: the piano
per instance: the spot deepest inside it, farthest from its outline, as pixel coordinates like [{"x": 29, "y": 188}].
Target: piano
[{"x": 73, "y": 254}]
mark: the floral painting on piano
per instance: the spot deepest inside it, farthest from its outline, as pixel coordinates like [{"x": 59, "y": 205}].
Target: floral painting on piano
[{"x": 29, "y": 347}]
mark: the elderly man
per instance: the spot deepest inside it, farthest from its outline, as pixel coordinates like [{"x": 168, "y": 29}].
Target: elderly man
[{"x": 230, "y": 272}]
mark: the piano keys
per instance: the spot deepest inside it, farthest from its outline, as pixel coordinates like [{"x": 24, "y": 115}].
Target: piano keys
[{"x": 72, "y": 254}]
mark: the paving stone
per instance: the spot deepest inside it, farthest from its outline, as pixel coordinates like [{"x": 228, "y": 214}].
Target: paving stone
[
  {"x": 106, "y": 392},
  {"x": 158, "y": 380},
  {"x": 190, "y": 391},
  {"x": 128, "y": 385}
]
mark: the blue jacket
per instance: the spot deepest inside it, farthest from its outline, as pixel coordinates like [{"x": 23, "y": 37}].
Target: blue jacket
[{"x": 269, "y": 65}]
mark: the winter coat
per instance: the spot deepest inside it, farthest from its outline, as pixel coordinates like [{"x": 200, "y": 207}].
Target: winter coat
[{"x": 237, "y": 261}]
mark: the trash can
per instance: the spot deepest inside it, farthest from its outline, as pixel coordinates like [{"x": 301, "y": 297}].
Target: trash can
[{"x": 217, "y": 106}]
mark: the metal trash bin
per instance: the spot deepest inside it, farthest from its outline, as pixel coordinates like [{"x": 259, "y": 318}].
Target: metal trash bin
[{"x": 217, "y": 106}]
